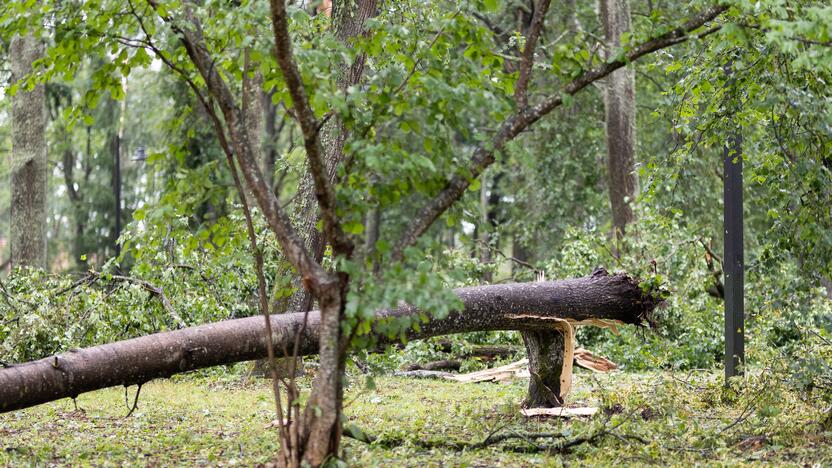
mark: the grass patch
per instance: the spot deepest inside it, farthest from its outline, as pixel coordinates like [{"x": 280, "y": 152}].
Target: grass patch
[{"x": 659, "y": 418}]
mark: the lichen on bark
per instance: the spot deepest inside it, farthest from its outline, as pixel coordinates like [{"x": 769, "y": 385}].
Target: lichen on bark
[{"x": 28, "y": 159}]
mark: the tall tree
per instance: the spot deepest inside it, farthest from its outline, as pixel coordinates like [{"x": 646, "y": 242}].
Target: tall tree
[
  {"x": 29, "y": 162},
  {"x": 620, "y": 109}
]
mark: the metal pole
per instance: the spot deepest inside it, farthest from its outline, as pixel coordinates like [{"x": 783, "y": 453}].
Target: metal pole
[{"x": 733, "y": 258}]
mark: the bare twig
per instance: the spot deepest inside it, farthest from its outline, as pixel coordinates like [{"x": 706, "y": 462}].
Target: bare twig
[
  {"x": 135, "y": 400},
  {"x": 516, "y": 260}
]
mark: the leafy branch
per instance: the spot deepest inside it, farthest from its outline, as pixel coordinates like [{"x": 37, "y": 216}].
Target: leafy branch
[{"x": 484, "y": 155}]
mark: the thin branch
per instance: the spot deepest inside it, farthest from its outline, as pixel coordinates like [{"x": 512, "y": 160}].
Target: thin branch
[
  {"x": 262, "y": 292},
  {"x": 710, "y": 251},
  {"x": 527, "y": 436},
  {"x": 510, "y": 258},
  {"x": 484, "y": 155},
  {"x": 428, "y": 48}
]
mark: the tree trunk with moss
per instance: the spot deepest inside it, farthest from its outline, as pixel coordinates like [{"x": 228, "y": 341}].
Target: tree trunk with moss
[{"x": 28, "y": 160}]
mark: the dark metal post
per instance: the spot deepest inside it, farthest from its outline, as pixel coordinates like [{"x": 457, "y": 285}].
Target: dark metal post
[{"x": 733, "y": 258}]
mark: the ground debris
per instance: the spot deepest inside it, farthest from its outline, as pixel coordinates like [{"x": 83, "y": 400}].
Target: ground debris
[{"x": 561, "y": 411}]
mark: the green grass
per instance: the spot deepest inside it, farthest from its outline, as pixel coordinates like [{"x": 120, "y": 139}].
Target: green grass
[{"x": 660, "y": 419}]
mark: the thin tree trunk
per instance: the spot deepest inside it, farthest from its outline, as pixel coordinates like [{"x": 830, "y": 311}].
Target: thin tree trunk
[
  {"x": 116, "y": 142},
  {"x": 522, "y": 306},
  {"x": 620, "y": 108},
  {"x": 484, "y": 236},
  {"x": 271, "y": 133},
  {"x": 28, "y": 160},
  {"x": 348, "y": 21},
  {"x": 78, "y": 212},
  {"x": 321, "y": 429},
  {"x": 373, "y": 228},
  {"x": 573, "y": 24},
  {"x": 254, "y": 113}
]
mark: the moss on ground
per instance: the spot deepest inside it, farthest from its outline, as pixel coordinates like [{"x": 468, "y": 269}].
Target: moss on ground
[{"x": 659, "y": 418}]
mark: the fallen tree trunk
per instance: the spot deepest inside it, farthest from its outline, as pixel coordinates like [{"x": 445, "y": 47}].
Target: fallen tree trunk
[
  {"x": 486, "y": 352},
  {"x": 522, "y": 306}
]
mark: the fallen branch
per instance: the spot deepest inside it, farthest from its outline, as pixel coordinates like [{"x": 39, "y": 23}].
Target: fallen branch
[
  {"x": 496, "y": 437},
  {"x": 485, "y": 308},
  {"x": 147, "y": 286},
  {"x": 527, "y": 436},
  {"x": 487, "y": 352},
  {"x": 444, "y": 364},
  {"x": 497, "y": 374}
]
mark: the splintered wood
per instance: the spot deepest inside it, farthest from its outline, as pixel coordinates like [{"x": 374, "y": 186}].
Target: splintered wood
[{"x": 593, "y": 362}]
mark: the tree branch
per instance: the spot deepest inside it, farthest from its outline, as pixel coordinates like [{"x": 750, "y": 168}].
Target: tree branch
[
  {"x": 484, "y": 154},
  {"x": 527, "y": 60}
]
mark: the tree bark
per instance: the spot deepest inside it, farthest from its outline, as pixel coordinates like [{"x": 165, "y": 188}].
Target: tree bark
[
  {"x": 620, "y": 108},
  {"x": 521, "y": 306},
  {"x": 545, "y": 350},
  {"x": 28, "y": 160},
  {"x": 271, "y": 135}
]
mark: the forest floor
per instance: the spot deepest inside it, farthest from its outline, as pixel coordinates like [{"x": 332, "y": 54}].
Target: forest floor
[{"x": 217, "y": 419}]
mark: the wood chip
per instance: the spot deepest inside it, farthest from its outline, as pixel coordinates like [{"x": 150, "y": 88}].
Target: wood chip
[{"x": 593, "y": 362}]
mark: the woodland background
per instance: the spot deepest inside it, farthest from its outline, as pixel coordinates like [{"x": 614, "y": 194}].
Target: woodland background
[{"x": 139, "y": 187}]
